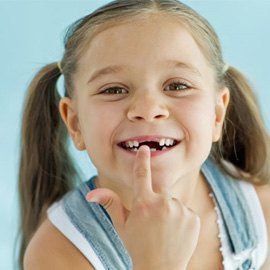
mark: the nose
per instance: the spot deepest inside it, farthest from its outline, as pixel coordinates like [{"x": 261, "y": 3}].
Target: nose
[{"x": 147, "y": 107}]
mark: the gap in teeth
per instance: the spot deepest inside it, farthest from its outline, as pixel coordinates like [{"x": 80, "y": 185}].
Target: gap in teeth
[{"x": 163, "y": 143}]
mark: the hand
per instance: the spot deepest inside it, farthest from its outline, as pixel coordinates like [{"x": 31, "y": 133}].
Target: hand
[{"x": 159, "y": 231}]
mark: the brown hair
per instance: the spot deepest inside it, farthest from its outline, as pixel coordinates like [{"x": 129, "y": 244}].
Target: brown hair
[
  {"x": 245, "y": 142},
  {"x": 46, "y": 171}
]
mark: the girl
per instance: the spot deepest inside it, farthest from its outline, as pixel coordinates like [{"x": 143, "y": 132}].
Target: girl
[{"x": 177, "y": 139}]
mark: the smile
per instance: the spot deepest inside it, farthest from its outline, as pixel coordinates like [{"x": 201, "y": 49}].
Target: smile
[{"x": 155, "y": 144}]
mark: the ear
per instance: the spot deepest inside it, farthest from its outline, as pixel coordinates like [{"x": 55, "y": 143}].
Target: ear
[
  {"x": 70, "y": 118},
  {"x": 222, "y": 101}
]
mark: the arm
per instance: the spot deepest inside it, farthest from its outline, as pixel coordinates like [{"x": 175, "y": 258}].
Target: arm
[
  {"x": 49, "y": 249},
  {"x": 264, "y": 196}
]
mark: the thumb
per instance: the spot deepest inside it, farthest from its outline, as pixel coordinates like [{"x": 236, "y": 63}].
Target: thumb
[{"x": 111, "y": 202}]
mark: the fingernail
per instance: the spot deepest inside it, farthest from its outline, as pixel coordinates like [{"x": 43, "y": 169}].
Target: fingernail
[
  {"x": 89, "y": 198},
  {"x": 144, "y": 148}
]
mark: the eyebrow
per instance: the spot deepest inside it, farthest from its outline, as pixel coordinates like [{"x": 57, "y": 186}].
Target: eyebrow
[
  {"x": 182, "y": 65},
  {"x": 116, "y": 69},
  {"x": 105, "y": 71}
]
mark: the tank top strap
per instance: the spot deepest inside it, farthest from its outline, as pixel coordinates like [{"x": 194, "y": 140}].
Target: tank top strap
[
  {"x": 92, "y": 221},
  {"x": 232, "y": 203}
]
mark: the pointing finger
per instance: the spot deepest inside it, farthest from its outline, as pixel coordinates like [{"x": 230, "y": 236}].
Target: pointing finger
[{"x": 142, "y": 181}]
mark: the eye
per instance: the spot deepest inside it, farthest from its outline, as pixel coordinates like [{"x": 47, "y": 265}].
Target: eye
[
  {"x": 177, "y": 86},
  {"x": 116, "y": 90}
]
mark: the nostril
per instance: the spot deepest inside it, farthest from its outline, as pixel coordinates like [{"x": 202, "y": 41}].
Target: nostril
[
  {"x": 147, "y": 111},
  {"x": 160, "y": 116},
  {"x": 138, "y": 117},
  {"x": 147, "y": 116}
]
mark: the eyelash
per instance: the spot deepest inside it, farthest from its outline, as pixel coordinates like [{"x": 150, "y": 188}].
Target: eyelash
[
  {"x": 177, "y": 83},
  {"x": 108, "y": 91},
  {"x": 117, "y": 90}
]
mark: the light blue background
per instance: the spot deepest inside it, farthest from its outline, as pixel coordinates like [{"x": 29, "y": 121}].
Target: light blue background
[{"x": 31, "y": 34}]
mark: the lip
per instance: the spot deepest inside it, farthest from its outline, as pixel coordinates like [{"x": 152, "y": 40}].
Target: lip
[{"x": 149, "y": 138}]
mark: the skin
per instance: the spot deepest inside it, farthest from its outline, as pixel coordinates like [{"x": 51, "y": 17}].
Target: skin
[
  {"x": 98, "y": 122},
  {"x": 165, "y": 198}
]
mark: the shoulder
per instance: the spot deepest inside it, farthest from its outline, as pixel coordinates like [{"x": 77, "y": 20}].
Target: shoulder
[
  {"x": 49, "y": 249},
  {"x": 264, "y": 197},
  {"x": 263, "y": 192}
]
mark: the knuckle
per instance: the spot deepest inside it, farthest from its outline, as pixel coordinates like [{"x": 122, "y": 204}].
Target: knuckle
[
  {"x": 107, "y": 203},
  {"x": 156, "y": 207},
  {"x": 166, "y": 210},
  {"x": 141, "y": 172},
  {"x": 193, "y": 218},
  {"x": 197, "y": 220},
  {"x": 142, "y": 206},
  {"x": 189, "y": 214},
  {"x": 189, "y": 211}
]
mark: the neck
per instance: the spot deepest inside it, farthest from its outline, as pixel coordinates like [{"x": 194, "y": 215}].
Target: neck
[
  {"x": 192, "y": 191},
  {"x": 198, "y": 198}
]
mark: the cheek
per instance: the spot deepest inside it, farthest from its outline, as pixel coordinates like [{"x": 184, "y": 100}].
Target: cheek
[
  {"x": 99, "y": 123},
  {"x": 198, "y": 120},
  {"x": 197, "y": 113}
]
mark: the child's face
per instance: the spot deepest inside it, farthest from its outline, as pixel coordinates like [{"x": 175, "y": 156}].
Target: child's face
[{"x": 146, "y": 80}]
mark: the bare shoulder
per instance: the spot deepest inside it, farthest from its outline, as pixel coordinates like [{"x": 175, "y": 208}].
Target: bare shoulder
[
  {"x": 264, "y": 197},
  {"x": 49, "y": 249}
]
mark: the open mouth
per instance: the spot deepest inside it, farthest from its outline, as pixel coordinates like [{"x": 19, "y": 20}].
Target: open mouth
[{"x": 154, "y": 145}]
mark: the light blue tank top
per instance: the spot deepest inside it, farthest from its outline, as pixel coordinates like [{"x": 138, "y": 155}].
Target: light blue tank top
[{"x": 94, "y": 223}]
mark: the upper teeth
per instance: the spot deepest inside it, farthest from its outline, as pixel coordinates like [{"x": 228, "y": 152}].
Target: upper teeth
[
  {"x": 166, "y": 142},
  {"x": 133, "y": 144},
  {"x": 162, "y": 142}
]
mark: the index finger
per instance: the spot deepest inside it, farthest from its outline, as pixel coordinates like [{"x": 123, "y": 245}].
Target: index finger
[{"x": 142, "y": 180}]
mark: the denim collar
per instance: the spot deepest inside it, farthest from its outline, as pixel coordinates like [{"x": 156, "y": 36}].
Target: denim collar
[
  {"x": 95, "y": 225},
  {"x": 232, "y": 203}
]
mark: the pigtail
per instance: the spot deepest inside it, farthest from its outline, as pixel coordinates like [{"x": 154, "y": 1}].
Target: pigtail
[
  {"x": 245, "y": 142},
  {"x": 46, "y": 171}
]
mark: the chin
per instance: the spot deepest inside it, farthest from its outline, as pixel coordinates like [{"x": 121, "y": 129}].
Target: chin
[{"x": 163, "y": 179}]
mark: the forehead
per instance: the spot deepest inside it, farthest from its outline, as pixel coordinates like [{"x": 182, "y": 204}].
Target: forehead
[{"x": 143, "y": 42}]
